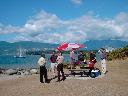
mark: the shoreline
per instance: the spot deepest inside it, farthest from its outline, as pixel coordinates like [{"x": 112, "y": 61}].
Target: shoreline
[
  {"x": 15, "y": 75},
  {"x": 115, "y": 82}
]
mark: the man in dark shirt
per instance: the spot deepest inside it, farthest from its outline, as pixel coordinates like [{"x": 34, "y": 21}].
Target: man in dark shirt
[
  {"x": 53, "y": 63},
  {"x": 81, "y": 57}
]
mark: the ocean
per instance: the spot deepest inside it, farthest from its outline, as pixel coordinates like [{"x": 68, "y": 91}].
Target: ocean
[{"x": 30, "y": 61}]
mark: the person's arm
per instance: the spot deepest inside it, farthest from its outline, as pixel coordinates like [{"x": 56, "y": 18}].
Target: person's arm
[
  {"x": 63, "y": 58},
  {"x": 94, "y": 57},
  {"x": 78, "y": 57},
  {"x": 51, "y": 58},
  {"x": 57, "y": 59}
]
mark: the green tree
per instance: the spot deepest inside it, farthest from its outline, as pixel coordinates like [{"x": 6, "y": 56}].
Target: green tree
[{"x": 121, "y": 53}]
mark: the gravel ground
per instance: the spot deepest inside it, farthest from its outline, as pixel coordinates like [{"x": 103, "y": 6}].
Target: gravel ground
[{"x": 114, "y": 83}]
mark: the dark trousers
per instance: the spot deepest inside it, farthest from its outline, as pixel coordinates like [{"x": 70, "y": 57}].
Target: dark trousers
[
  {"x": 60, "y": 69},
  {"x": 43, "y": 73},
  {"x": 91, "y": 68}
]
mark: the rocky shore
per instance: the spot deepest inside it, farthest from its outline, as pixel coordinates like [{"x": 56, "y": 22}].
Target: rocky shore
[
  {"x": 19, "y": 71},
  {"x": 8, "y": 74},
  {"x": 114, "y": 83}
]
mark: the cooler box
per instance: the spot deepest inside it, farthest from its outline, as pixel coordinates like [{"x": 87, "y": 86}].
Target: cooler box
[{"x": 96, "y": 72}]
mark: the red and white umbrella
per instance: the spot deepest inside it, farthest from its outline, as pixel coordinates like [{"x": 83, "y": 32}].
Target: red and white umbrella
[{"x": 70, "y": 46}]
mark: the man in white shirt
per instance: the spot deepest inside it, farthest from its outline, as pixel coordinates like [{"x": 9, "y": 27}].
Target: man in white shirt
[
  {"x": 43, "y": 71},
  {"x": 103, "y": 60}
]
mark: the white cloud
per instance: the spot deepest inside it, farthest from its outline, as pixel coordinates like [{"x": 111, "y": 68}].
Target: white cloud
[
  {"x": 48, "y": 28},
  {"x": 20, "y": 38},
  {"x": 1, "y": 25},
  {"x": 79, "y": 2},
  {"x": 91, "y": 12}
]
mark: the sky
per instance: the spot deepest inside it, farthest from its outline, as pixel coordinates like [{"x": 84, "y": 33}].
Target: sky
[{"x": 62, "y": 21}]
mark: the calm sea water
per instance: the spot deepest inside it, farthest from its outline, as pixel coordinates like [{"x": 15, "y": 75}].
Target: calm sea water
[{"x": 9, "y": 61}]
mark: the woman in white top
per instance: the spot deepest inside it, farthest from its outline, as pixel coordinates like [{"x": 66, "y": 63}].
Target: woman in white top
[{"x": 60, "y": 60}]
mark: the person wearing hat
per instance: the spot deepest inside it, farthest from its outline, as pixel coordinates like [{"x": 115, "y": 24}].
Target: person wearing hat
[
  {"x": 43, "y": 71},
  {"x": 103, "y": 60}
]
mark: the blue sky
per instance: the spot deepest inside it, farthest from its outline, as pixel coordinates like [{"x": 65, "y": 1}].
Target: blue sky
[{"x": 62, "y": 21}]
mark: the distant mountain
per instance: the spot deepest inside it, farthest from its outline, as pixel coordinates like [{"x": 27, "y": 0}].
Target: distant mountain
[
  {"x": 97, "y": 44},
  {"x": 13, "y": 48}
]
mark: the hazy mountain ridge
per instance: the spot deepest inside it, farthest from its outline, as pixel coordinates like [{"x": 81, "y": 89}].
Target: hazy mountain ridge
[
  {"x": 97, "y": 44},
  {"x": 12, "y": 48}
]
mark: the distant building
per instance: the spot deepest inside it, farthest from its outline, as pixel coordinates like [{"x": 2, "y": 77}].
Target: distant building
[{"x": 108, "y": 49}]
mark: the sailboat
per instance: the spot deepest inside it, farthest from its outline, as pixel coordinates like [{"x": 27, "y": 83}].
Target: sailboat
[{"x": 20, "y": 56}]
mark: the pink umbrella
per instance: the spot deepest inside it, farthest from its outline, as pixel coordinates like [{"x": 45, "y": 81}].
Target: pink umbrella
[{"x": 70, "y": 46}]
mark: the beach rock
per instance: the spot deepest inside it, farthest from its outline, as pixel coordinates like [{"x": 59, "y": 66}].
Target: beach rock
[
  {"x": 1, "y": 72},
  {"x": 33, "y": 71},
  {"x": 23, "y": 70},
  {"x": 18, "y": 69},
  {"x": 27, "y": 73},
  {"x": 19, "y": 72},
  {"x": 11, "y": 71}
]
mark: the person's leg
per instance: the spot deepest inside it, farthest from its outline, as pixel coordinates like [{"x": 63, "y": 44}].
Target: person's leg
[
  {"x": 73, "y": 64},
  {"x": 45, "y": 74},
  {"x": 89, "y": 73},
  {"x": 41, "y": 75},
  {"x": 62, "y": 72},
  {"x": 41, "y": 78},
  {"x": 58, "y": 69},
  {"x": 104, "y": 66},
  {"x": 53, "y": 69}
]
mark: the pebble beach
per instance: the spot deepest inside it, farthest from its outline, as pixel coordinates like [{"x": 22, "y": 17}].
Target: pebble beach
[{"x": 114, "y": 83}]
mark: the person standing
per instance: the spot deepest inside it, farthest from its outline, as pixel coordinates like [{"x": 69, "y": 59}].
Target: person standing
[
  {"x": 92, "y": 59},
  {"x": 92, "y": 62},
  {"x": 53, "y": 63},
  {"x": 60, "y": 60},
  {"x": 72, "y": 57},
  {"x": 81, "y": 57},
  {"x": 103, "y": 60},
  {"x": 43, "y": 71}
]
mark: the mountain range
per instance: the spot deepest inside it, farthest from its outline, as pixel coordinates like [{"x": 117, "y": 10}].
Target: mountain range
[
  {"x": 7, "y": 48},
  {"x": 97, "y": 44}
]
